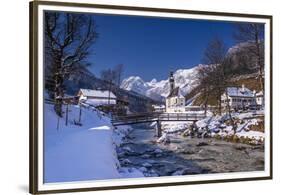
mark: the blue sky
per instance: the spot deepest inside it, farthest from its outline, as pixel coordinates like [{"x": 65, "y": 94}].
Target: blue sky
[{"x": 152, "y": 47}]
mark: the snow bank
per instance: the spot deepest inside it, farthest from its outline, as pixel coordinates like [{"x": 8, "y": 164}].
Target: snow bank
[
  {"x": 120, "y": 133},
  {"x": 252, "y": 134},
  {"x": 174, "y": 127},
  {"x": 218, "y": 126},
  {"x": 130, "y": 172},
  {"x": 77, "y": 153}
]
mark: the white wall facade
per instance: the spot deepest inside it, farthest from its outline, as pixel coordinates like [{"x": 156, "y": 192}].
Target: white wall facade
[
  {"x": 238, "y": 102},
  {"x": 175, "y": 104},
  {"x": 259, "y": 100}
]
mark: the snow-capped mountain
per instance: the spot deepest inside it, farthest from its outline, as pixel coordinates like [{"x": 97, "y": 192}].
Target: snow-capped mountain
[
  {"x": 135, "y": 83},
  {"x": 186, "y": 79}
]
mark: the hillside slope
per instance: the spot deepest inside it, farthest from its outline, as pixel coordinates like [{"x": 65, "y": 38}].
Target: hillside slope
[
  {"x": 249, "y": 80},
  {"x": 77, "y": 153},
  {"x": 82, "y": 152}
]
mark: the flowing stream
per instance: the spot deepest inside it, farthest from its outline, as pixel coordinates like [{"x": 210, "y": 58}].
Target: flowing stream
[{"x": 185, "y": 155}]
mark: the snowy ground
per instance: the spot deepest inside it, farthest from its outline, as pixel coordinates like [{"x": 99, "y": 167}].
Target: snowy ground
[
  {"x": 77, "y": 153},
  {"x": 218, "y": 126},
  {"x": 88, "y": 152}
]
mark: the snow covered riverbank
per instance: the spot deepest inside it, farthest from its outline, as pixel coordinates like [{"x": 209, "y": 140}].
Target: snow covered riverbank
[
  {"x": 79, "y": 153},
  {"x": 89, "y": 151},
  {"x": 249, "y": 128}
]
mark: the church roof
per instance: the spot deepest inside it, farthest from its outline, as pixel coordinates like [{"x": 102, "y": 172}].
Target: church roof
[
  {"x": 259, "y": 94},
  {"x": 176, "y": 92}
]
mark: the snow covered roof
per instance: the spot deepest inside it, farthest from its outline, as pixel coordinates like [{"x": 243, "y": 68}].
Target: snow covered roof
[
  {"x": 176, "y": 92},
  {"x": 259, "y": 94},
  {"x": 158, "y": 106},
  {"x": 97, "y": 93},
  {"x": 239, "y": 92}
]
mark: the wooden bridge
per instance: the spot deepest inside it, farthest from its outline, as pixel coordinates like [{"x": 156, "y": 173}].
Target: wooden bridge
[
  {"x": 152, "y": 117},
  {"x": 155, "y": 117}
]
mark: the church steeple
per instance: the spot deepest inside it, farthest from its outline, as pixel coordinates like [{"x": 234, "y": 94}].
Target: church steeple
[{"x": 172, "y": 81}]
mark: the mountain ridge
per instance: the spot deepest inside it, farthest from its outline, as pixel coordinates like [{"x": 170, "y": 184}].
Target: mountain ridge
[{"x": 186, "y": 79}]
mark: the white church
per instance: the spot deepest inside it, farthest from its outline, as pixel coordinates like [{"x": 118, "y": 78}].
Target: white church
[{"x": 175, "y": 101}]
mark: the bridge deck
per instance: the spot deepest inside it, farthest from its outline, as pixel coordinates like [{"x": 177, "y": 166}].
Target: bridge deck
[{"x": 151, "y": 117}]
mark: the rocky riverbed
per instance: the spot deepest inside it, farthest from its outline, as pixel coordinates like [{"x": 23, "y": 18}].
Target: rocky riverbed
[{"x": 185, "y": 155}]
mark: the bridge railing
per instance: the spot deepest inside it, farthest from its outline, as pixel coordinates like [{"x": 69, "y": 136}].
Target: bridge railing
[
  {"x": 157, "y": 116},
  {"x": 181, "y": 116},
  {"x": 132, "y": 116}
]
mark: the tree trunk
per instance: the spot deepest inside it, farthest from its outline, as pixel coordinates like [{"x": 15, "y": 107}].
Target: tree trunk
[
  {"x": 159, "y": 130},
  {"x": 206, "y": 101},
  {"x": 66, "y": 115},
  {"x": 109, "y": 92},
  {"x": 58, "y": 86},
  {"x": 80, "y": 113},
  {"x": 229, "y": 113},
  {"x": 260, "y": 64},
  {"x": 219, "y": 98}
]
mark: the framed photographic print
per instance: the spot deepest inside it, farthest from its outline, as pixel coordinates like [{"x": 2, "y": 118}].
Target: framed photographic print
[{"x": 129, "y": 97}]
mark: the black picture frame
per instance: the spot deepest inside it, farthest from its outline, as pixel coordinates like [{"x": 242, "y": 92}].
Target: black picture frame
[{"x": 33, "y": 101}]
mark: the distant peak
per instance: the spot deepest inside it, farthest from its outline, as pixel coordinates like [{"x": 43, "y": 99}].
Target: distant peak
[
  {"x": 185, "y": 79},
  {"x": 153, "y": 81},
  {"x": 133, "y": 78}
]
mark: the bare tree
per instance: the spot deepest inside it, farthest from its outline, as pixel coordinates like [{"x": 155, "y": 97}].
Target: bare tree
[
  {"x": 109, "y": 75},
  {"x": 253, "y": 33},
  {"x": 68, "y": 39},
  {"x": 214, "y": 55},
  {"x": 119, "y": 69},
  {"x": 205, "y": 79},
  {"x": 214, "y": 77}
]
